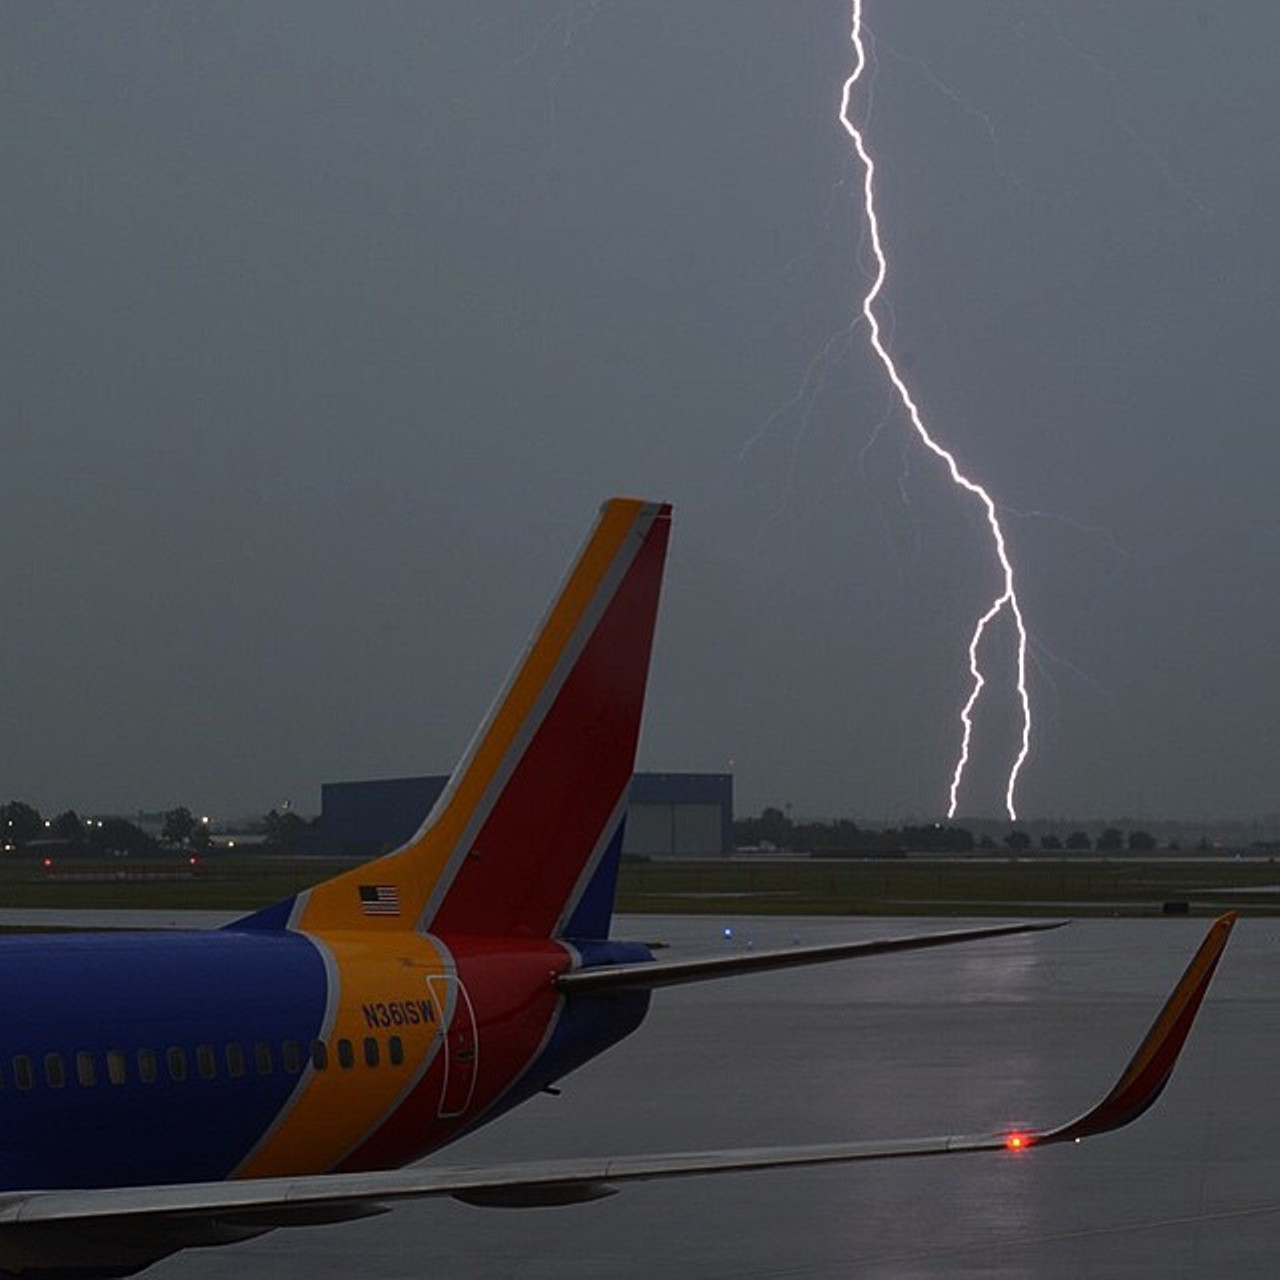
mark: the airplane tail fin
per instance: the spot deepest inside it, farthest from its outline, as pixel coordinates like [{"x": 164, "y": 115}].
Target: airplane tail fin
[{"x": 526, "y": 838}]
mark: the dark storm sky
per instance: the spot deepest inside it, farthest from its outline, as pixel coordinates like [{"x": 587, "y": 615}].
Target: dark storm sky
[{"x": 326, "y": 328}]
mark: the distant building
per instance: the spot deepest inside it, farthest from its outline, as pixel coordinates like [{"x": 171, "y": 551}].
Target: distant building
[
  {"x": 361, "y": 819},
  {"x": 680, "y": 815},
  {"x": 669, "y": 815}
]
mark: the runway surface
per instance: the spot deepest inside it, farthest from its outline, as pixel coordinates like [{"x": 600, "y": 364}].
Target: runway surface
[{"x": 1019, "y": 1030}]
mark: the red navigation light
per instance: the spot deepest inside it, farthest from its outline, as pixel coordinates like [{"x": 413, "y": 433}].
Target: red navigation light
[
  {"x": 1016, "y": 1142},
  {"x": 193, "y": 860},
  {"x": 48, "y": 862}
]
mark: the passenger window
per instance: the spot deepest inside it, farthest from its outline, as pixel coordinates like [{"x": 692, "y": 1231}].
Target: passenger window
[
  {"x": 262, "y": 1057},
  {"x": 206, "y": 1061},
  {"x": 55, "y": 1073},
  {"x": 24, "y": 1075},
  {"x": 117, "y": 1066},
  {"x": 235, "y": 1059},
  {"x": 86, "y": 1071},
  {"x": 346, "y": 1055},
  {"x": 290, "y": 1057},
  {"x": 319, "y": 1055},
  {"x": 395, "y": 1050},
  {"x": 147, "y": 1066},
  {"x": 370, "y": 1052},
  {"x": 177, "y": 1060}
]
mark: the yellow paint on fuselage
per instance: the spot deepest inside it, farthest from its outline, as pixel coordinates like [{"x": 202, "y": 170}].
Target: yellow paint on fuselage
[
  {"x": 416, "y": 869},
  {"x": 336, "y": 1108}
]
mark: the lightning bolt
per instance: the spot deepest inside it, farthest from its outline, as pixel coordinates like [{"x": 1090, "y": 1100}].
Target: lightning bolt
[{"x": 1007, "y": 599}]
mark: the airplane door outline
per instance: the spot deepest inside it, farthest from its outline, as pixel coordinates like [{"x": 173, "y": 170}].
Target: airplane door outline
[{"x": 460, "y": 1046}]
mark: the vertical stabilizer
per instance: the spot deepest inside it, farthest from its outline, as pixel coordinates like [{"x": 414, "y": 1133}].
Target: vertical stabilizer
[{"x": 525, "y": 839}]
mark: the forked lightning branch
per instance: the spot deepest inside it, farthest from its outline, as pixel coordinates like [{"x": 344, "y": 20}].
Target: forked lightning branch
[{"x": 1006, "y": 599}]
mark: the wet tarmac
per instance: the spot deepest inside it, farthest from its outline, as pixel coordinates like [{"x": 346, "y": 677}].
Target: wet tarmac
[{"x": 1015, "y": 1031}]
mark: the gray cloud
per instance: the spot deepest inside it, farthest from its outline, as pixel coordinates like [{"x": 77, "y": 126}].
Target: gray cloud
[{"x": 325, "y": 330}]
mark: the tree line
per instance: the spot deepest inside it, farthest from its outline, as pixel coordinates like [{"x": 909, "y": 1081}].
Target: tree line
[
  {"x": 775, "y": 829},
  {"x": 24, "y": 828}
]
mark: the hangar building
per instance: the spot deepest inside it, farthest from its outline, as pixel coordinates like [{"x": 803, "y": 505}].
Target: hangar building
[{"x": 669, "y": 815}]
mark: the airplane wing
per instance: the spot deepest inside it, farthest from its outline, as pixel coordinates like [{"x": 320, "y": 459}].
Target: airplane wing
[
  {"x": 648, "y": 975},
  {"x": 193, "y": 1212}
]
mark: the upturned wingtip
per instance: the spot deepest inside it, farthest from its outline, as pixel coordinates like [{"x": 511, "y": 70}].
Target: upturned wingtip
[{"x": 1151, "y": 1066}]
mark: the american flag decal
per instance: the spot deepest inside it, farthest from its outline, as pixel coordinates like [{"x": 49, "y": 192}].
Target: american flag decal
[{"x": 379, "y": 900}]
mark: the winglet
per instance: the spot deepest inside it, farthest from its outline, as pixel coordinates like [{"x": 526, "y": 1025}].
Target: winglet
[{"x": 1148, "y": 1072}]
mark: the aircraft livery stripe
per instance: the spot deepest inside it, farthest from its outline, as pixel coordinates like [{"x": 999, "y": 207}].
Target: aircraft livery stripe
[
  {"x": 517, "y": 1005},
  {"x": 382, "y": 990}
]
